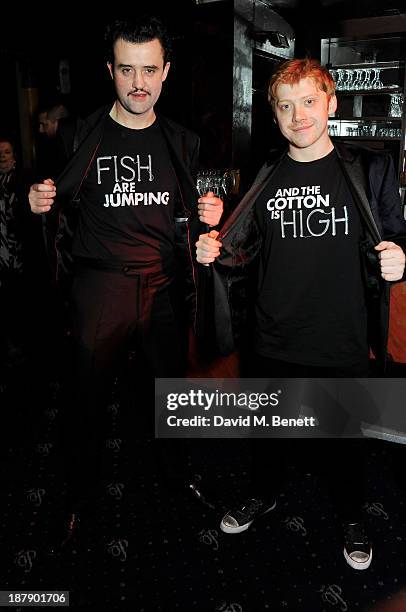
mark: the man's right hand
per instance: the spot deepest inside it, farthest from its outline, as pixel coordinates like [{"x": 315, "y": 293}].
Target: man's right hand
[
  {"x": 42, "y": 196},
  {"x": 207, "y": 247}
]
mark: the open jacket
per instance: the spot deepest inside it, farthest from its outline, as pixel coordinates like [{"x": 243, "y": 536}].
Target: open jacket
[
  {"x": 60, "y": 223},
  {"x": 372, "y": 181}
]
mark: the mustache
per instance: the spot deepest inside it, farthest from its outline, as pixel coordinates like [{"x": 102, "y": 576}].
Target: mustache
[{"x": 137, "y": 91}]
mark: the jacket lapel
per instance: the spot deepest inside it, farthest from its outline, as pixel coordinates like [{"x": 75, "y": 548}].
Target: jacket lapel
[
  {"x": 353, "y": 170},
  {"x": 69, "y": 181},
  {"x": 244, "y": 207},
  {"x": 176, "y": 141}
]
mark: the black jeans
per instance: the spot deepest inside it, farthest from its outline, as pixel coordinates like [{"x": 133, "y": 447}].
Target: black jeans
[
  {"x": 114, "y": 312},
  {"x": 342, "y": 461}
]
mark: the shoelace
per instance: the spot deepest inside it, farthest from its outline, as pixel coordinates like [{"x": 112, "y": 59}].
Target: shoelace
[
  {"x": 251, "y": 507},
  {"x": 356, "y": 535}
]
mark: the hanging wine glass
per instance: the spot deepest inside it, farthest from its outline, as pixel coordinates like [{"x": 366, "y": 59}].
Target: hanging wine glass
[
  {"x": 340, "y": 80},
  {"x": 334, "y": 76},
  {"x": 350, "y": 75},
  {"x": 377, "y": 83},
  {"x": 367, "y": 79},
  {"x": 358, "y": 81}
]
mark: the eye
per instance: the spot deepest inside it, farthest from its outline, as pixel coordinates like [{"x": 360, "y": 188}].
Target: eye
[
  {"x": 125, "y": 71},
  {"x": 283, "y": 107},
  {"x": 309, "y": 101},
  {"x": 150, "y": 70}
]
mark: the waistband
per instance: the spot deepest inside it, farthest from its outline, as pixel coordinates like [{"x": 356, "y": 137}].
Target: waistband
[{"x": 127, "y": 269}]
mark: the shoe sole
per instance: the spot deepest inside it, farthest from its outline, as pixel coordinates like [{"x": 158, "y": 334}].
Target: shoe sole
[
  {"x": 242, "y": 528},
  {"x": 356, "y": 564}
]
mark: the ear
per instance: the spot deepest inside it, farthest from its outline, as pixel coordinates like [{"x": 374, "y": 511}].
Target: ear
[
  {"x": 165, "y": 71},
  {"x": 110, "y": 68},
  {"x": 332, "y": 105}
]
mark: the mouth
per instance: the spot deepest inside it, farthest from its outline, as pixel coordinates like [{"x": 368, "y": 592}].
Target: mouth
[
  {"x": 138, "y": 95},
  {"x": 302, "y": 128}
]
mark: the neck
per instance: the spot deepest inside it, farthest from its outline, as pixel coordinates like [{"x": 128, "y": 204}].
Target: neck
[
  {"x": 130, "y": 120},
  {"x": 308, "y": 154},
  {"x": 6, "y": 167}
]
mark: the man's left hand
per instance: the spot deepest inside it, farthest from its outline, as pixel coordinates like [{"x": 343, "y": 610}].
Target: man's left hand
[
  {"x": 210, "y": 209},
  {"x": 392, "y": 258}
]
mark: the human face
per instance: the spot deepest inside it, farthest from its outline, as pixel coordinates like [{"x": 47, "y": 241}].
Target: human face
[
  {"x": 46, "y": 126},
  {"x": 302, "y": 112},
  {"x": 6, "y": 157},
  {"x": 138, "y": 73}
]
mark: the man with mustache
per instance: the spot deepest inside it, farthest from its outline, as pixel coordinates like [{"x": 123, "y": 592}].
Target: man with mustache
[
  {"x": 130, "y": 187},
  {"x": 325, "y": 224}
]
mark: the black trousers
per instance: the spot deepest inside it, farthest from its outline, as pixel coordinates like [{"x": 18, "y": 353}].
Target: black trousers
[
  {"x": 13, "y": 320},
  {"x": 342, "y": 461},
  {"x": 114, "y": 312}
]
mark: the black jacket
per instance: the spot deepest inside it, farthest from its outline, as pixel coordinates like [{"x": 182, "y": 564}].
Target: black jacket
[
  {"x": 60, "y": 223},
  {"x": 372, "y": 180}
]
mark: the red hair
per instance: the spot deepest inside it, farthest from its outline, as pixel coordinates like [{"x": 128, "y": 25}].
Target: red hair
[{"x": 293, "y": 71}]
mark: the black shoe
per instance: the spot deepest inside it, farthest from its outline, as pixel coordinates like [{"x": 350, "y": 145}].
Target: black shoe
[
  {"x": 195, "y": 488},
  {"x": 241, "y": 518},
  {"x": 357, "y": 546},
  {"x": 64, "y": 532}
]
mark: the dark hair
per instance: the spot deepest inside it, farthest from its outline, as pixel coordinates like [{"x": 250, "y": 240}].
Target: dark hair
[
  {"x": 55, "y": 112},
  {"x": 5, "y": 137},
  {"x": 139, "y": 30}
]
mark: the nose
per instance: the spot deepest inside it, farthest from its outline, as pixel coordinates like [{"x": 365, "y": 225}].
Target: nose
[
  {"x": 138, "y": 80},
  {"x": 298, "y": 113}
]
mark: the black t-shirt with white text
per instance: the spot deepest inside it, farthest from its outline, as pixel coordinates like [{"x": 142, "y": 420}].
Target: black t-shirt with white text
[
  {"x": 127, "y": 200},
  {"x": 310, "y": 306}
]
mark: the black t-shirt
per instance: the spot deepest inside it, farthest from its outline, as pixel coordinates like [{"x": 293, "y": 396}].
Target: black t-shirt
[
  {"x": 310, "y": 306},
  {"x": 127, "y": 200}
]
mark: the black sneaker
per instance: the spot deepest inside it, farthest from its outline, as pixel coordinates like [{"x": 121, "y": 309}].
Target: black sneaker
[
  {"x": 357, "y": 547},
  {"x": 241, "y": 518}
]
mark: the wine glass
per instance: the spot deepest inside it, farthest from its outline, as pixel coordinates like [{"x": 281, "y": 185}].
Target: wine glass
[
  {"x": 333, "y": 74},
  {"x": 367, "y": 79},
  {"x": 220, "y": 182},
  {"x": 340, "y": 80},
  {"x": 358, "y": 81},
  {"x": 376, "y": 82},
  {"x": 396, "y": 105},
  {"x": 349, "y": 82}
]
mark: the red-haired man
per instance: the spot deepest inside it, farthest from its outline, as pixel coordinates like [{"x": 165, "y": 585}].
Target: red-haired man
[{"x": 325, "y": 224}]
